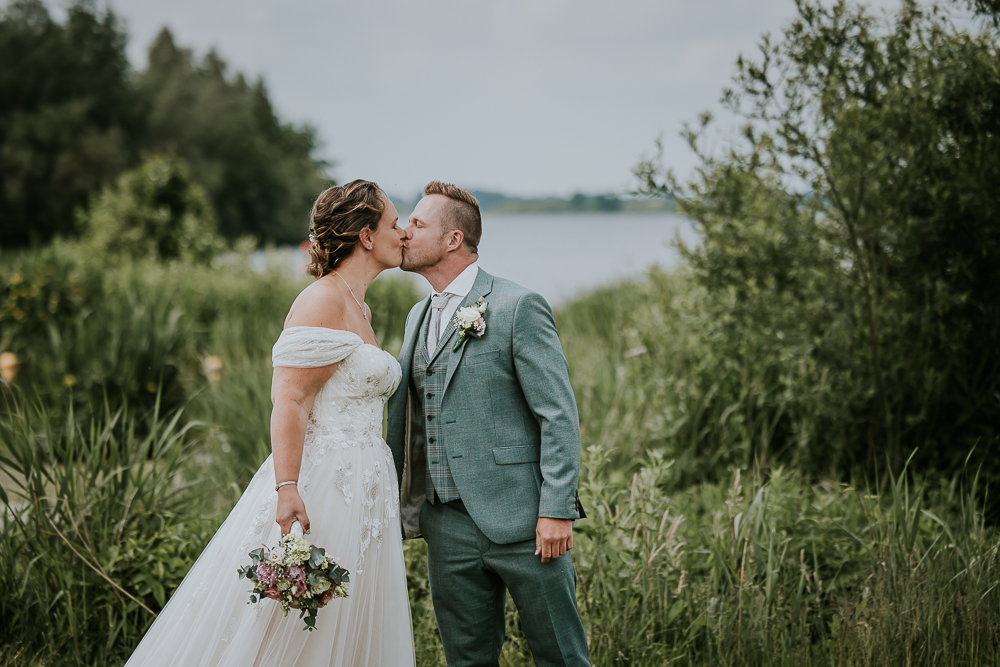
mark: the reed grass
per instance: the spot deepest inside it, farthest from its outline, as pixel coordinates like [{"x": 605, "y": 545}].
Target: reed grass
[
  {"x": 775, "y": 571},
  {"x": 100, "y": 525}
]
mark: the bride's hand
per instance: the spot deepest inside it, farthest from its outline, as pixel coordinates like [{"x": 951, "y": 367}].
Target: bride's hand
[{"x": 291, "y": 509}]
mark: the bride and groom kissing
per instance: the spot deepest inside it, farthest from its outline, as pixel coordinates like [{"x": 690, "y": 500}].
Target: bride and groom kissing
[{"x": 481, "y": 459}]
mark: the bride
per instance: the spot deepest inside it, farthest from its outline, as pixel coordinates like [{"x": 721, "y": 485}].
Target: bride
[{"x": 330, "y": 470}]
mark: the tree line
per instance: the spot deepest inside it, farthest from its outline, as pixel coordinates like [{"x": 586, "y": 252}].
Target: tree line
[{"x": 75, "y": 116}]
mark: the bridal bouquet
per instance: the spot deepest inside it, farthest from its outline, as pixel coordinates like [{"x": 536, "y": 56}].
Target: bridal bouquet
[{"x": 297, "y": 575}]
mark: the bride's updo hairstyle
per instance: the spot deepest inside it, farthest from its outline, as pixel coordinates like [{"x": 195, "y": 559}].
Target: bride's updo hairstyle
[{"x": 337, "y": 218}]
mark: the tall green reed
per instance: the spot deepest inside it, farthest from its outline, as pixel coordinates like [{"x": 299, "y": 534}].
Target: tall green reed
[
  {"x": 100, "y": 524},
  {"x": 779, "y": 572}
]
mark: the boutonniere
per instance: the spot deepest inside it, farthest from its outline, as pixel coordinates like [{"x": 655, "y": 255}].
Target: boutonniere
[{"x": 470, "y": 322}]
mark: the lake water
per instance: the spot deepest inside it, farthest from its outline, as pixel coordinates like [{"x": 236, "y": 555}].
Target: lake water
[{"x": 561, "y": 255}]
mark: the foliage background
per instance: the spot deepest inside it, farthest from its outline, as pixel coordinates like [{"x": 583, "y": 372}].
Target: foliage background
[
  {"x": 75, "y": 116},
  {"x": 849, "y": 240}
]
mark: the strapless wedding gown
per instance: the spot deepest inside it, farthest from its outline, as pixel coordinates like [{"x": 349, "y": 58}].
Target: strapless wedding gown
[{"x": 348, "y": 483}]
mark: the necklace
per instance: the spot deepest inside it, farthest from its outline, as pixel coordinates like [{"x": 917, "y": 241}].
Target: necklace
[{"x": 363, "y": 314}]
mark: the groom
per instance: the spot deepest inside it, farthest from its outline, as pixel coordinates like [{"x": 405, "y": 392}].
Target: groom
[{"x": 486, "y": 440}]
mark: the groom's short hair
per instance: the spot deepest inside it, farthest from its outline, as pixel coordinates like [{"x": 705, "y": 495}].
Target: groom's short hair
[{"x": 462, "y": 212}]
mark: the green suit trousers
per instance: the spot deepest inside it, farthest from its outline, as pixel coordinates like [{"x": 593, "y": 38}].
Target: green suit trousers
[{"x": 469, "y": 578}]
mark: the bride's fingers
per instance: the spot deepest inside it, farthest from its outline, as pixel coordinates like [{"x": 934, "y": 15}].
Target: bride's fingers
[{"x": 304, "y": 522}]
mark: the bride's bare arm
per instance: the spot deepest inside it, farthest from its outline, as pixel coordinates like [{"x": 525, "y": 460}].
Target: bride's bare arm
[{"x": 293, "y": 391}]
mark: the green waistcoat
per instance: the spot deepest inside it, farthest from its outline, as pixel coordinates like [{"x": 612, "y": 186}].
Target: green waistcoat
[{"x": 428, "y": 383}]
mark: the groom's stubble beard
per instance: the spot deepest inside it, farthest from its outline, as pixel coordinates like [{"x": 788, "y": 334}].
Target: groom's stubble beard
[{"x": 416, "y": 262}]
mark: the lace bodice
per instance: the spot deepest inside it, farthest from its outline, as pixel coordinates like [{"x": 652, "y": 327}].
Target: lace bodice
[{"x": 347, "y": 412}]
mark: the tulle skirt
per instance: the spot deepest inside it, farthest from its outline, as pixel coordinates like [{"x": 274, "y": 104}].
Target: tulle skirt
[{"x": 351, "y": 496}]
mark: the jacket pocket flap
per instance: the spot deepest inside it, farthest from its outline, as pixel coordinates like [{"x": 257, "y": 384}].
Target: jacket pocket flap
[
  {"x": 523, "y": 454},
  {"x": 479, "y": 355}
]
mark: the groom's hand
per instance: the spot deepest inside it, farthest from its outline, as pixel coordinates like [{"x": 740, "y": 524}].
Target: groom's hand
[{"x": 553, "y": 538}]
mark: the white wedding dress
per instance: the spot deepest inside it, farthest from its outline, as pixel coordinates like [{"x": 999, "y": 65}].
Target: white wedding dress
[{"x": 348, "y": 483}]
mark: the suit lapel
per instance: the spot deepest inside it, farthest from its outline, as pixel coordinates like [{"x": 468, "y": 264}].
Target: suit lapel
[
  {"x": 482, "y": 287},
  {"x": 410, "y": 339}
]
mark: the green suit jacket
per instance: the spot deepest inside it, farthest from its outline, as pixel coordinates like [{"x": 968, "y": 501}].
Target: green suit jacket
[{"x": 510, "y": 425}]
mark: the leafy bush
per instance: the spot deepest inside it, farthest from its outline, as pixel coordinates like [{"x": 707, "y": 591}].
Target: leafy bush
[
  {"x": 648, "y": 376},
  {"x": 140, "y": 331},
  {"x": 37, "y": 289},
  {"x": 849, "y": 242},
  {"x": 154, "y": 212}
]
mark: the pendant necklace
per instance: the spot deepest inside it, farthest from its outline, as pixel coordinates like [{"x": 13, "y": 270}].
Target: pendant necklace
[{"x": 363, "y": 314}]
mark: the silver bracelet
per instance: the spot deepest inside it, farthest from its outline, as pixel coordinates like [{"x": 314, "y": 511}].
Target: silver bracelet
[{"x": 278, "y": 486}]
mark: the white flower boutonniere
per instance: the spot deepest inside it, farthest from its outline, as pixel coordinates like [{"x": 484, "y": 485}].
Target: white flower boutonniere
[{"x": 470, "y": 322}]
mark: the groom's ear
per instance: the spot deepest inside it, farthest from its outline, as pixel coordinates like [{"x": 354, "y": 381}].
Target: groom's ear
[{"x": 455, "y": 240}]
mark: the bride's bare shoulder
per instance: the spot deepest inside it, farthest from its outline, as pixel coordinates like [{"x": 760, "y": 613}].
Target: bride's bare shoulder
[{"x": 318, "y": 305}]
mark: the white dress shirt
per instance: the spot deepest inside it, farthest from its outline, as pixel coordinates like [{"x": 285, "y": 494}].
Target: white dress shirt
[{"x": 457, "y": 290}]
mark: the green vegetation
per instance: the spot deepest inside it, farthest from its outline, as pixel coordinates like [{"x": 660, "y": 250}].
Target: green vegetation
[
  {"x": 849, "y": 244},
  {"x": 75, "y": 116},
  {"x": 92, "y": 546},
  {"x": 139, "y": 410},
  {"x": 765, "y": 566},
  {"x": 154, "y": 212},
  {"x": 262, "y": 175}
]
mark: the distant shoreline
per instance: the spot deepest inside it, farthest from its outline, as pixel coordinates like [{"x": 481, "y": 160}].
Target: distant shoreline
[{"x": 497, "y": 203}]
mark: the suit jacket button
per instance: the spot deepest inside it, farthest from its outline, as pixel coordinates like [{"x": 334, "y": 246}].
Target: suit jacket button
[
  {"x": 430, "y": 395},
  {"x": 430, "y": 372},
  {"x": 430, "y": 440},
  {"x": 430, "y": 417}
]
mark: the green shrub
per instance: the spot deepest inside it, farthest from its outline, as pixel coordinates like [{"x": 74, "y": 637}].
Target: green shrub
[
  {"x": 140, "y": 330},
  {"x": 848, "y": 242},
  {"x": 154, "y": 212},
  {"x": 39, "y": 288}
]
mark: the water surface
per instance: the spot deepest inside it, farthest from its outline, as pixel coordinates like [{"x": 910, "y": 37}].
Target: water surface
[
  {"x": 557, "y": 255},
  {"x": 561, "y": 255}
]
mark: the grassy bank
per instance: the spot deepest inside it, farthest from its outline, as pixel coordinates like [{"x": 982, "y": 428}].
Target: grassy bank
[{"x": 698, "y": 549}]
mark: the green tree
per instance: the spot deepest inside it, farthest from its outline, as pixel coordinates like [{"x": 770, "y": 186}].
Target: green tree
[
  {"x": 850, "y": 243},
  {"x": 155, "y": 211},
  {"x": 68, "y": 116},
  {"x": 260, "y": 173},
  {"x": 73, "y": 116}
]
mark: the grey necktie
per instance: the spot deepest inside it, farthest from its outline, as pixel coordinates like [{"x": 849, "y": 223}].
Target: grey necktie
[{"x": 438, "y": 302}]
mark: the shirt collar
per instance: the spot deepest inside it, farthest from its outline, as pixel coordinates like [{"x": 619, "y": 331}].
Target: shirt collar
[{"x": 463, "y": 282}]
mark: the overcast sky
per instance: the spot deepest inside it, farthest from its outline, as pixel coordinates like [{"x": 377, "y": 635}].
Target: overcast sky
[{"x": 523, "y": 96}]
